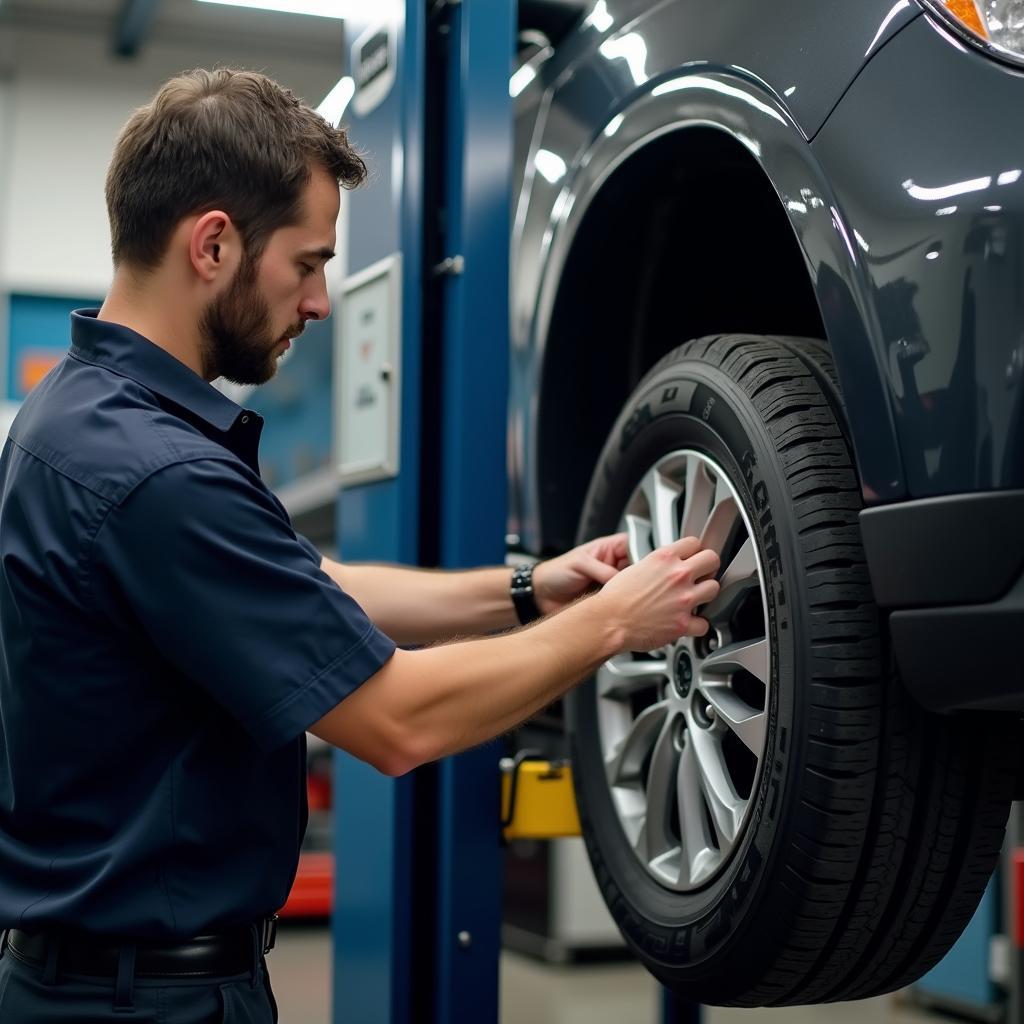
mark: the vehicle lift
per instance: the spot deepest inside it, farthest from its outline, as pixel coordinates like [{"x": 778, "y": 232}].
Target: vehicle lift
[{"x": 424, "y": 345}]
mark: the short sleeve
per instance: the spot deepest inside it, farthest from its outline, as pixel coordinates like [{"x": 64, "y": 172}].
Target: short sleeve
[
  {"x": 209, "y": 566},
  {"x": 309, "y": 547}
]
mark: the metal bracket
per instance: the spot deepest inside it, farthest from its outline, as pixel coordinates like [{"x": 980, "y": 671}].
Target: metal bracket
[{"x": 517, "y": 764}]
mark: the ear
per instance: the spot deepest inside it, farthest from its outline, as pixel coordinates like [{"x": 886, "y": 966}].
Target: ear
[{"x": 215, "y": 247}]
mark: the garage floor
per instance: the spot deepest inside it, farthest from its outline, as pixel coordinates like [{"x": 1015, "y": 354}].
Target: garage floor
[{"x": 533, "y": 993}]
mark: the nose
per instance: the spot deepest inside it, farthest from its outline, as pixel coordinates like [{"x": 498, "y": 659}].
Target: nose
[{"x": 316, "y": 305}]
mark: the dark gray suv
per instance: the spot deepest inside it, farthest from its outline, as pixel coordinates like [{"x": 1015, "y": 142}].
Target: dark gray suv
[{"x": 768, "y": 289}]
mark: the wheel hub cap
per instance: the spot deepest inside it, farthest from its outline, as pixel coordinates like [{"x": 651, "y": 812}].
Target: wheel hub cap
[{"x": 682, "y": 676}]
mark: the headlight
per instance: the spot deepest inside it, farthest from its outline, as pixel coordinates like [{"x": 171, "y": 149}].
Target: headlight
[{"x": 995, "y": 25}]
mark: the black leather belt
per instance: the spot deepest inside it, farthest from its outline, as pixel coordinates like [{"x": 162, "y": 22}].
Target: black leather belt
[{"x": 205, "y": 956}]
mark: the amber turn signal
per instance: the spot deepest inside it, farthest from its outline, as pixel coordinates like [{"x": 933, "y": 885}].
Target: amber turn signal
[{"x": 967, "y": 12}]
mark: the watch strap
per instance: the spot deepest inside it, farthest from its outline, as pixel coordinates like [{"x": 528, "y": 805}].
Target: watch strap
[{"x": 522, "y": 594}]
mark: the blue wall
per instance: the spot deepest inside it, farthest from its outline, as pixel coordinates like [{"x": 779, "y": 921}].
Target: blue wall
[
  {"x": 38, "y": 332},
  {"x": 296, "y": 404},
  {"x": 963, "y": 975}
]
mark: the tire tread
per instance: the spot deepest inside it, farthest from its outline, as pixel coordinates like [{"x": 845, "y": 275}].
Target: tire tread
[{"x": 912, "y": 808}]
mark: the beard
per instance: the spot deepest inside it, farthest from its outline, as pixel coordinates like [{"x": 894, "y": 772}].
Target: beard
[{"x": 238, "y": 336}]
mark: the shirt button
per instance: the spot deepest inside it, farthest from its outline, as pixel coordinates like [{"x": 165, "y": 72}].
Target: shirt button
[{"x": 245, "y": 419}]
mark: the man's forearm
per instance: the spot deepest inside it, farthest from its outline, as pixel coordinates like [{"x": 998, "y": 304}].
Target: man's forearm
[
  {"x": 427, "y": 704},
  {"x": 420, "y": 606}
]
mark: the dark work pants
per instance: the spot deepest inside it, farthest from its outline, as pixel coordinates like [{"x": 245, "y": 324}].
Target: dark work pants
[{"x": 32, "y": 994}]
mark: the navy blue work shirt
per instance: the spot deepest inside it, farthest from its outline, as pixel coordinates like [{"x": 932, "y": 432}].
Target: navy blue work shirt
[{"x": 165, "y": 640}]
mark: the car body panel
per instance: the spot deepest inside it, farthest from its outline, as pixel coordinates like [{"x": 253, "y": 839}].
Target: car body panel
[
  {"x": 934, "y": 192},
  {"x": 621, "y": 81}
]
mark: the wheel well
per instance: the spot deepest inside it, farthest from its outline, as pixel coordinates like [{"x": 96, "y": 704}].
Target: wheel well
[{"x": 686, "y": 238}]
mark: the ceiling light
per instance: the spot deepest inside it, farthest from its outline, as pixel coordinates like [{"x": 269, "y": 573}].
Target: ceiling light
[{"x": 319, "y": 8}]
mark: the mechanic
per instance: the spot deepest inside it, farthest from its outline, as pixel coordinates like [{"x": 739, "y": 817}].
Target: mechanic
[{"x": 167, "y": 639}]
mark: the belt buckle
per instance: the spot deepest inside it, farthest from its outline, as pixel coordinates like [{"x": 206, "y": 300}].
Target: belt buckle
[{"x": 269, "y": 936}]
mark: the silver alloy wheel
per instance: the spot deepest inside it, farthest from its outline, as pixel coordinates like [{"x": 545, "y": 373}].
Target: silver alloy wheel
[{"x": 683, "y": 729}]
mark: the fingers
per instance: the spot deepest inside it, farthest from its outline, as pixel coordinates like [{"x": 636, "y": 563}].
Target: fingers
[
  {"x": 685, "y": 547},
  {"x": 704, "y": 564},
  {"x": 699, "y": 563},
  {"x": 701, "y": 594},
  {"x": 696, "y": 626},
  {"x": 704, "y": 593},
  {"x": 611, "y": 549},
  {"x": 599, "y": 571}
]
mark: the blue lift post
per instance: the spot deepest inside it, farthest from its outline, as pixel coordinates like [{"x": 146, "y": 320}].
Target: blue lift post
[
  {"x": 480, "y": 39},
  {"x": 375, "y": 844},
  {"x": 418, "y": 860},
  {"x": 677, "y": 1011}
]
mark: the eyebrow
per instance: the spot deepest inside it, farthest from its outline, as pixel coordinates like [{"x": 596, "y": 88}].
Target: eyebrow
[{"x": 324, "y": 253}]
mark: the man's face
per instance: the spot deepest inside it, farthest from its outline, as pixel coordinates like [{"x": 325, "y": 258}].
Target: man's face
[{"x": 248, "y": 327}]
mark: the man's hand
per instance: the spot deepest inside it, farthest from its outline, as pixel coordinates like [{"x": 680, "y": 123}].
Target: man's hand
[
  {"x": 561, "y": 580},
  {"x": 655, "y": 599}
]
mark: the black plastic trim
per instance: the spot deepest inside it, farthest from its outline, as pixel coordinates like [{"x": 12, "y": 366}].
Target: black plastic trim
[
  {"x": 959, "y": 549},
  {"x": 967, "y": 657}
]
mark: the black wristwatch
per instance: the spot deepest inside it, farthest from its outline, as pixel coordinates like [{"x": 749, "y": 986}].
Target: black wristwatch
[{"x": 522, "y": 594}]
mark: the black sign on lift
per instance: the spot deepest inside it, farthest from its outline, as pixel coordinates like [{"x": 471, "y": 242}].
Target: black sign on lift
[
  {"x": 374, "y": 58},
  {"x": 373, "y": 67}
]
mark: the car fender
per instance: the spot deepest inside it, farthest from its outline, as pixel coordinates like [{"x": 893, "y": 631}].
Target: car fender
[{"x": 745, "y": 109}]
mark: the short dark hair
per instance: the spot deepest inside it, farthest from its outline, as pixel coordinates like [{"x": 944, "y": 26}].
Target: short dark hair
[{"x": 224, "y": 139}]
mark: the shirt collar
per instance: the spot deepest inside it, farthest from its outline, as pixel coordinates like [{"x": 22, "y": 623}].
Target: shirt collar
[{"x": 129, "y": 354}]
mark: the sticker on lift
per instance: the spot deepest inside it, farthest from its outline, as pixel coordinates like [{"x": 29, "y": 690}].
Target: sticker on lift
[{"x": 373, "y": 67}]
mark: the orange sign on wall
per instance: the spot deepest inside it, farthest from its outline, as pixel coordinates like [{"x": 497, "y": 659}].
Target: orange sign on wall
[{"x": 33, "y": 366}]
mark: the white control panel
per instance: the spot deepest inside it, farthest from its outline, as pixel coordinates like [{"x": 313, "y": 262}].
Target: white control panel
[{"x": 367, "y": 369}]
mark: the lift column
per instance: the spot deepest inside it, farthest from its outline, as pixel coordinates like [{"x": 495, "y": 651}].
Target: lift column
[
  {"x": 472, "y": 44},
  {"x": 378, "y": 336},
  {"x": 424, "y": 355}
]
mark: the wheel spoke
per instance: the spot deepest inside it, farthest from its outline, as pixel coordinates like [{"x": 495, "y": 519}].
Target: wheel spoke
[
  {"x": 726, "y": 805},
  {"x": 633, "y": 826},
  {"x": 638, "y": 532},
  {"x": 662, "y": 496},
  {"x": 699, "y": 854},
  {"x": 742, "y": 568},
  {"x": 740, "y": 576},
  {"x": 626, "y": 759},
  {"x": 748, "y": 723},
  {"x": 697, "y": 499},
  {"x": 668, "y": 865},
  {"x": 623, "y": 676},
  {"x": 661, "y": 783},
  {"x": 751, "y": 655},
  {"x": 720, "y": 524}
]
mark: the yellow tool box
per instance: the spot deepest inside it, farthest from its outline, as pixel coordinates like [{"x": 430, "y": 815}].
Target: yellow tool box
[{"x": 537, "y": 798}]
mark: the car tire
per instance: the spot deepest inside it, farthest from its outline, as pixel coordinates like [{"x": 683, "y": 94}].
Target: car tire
[{"x": 806, "y": 837}]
